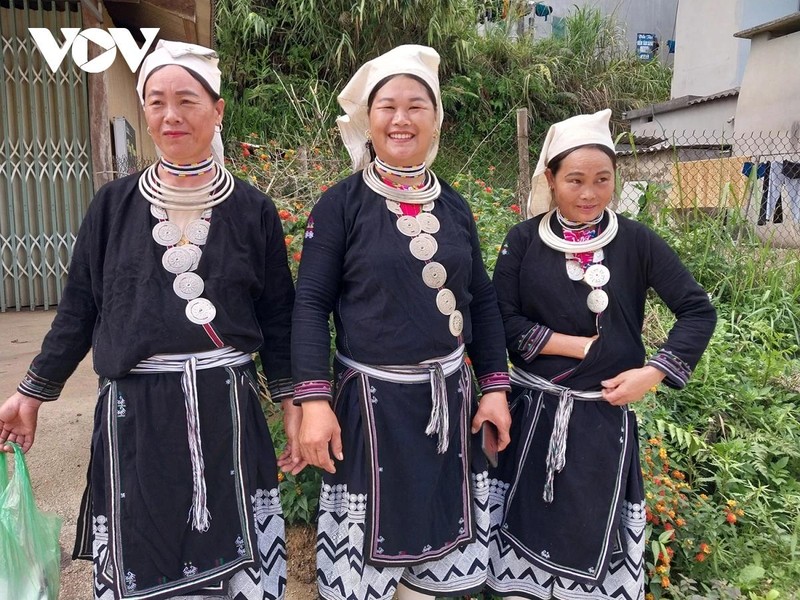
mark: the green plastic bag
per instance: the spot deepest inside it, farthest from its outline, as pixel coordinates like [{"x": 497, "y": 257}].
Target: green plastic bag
[{"x": 30, "y": 555}]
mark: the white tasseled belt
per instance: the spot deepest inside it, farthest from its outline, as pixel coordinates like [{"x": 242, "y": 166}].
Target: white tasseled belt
[
  {"x": 557, "y": 448},
  {"x": 435, "y": 371},
  {"x": 189, "y": 364}
]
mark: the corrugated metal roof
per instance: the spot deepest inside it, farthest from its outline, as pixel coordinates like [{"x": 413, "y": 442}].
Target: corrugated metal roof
[{"x": 677, "y": 104}]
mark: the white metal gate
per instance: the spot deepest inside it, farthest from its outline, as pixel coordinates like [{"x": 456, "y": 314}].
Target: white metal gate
[{"x": 45, "y": 156}]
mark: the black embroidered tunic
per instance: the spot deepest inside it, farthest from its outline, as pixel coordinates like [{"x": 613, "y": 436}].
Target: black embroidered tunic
[
  {"x": 412, "y": 507},
  {"x": 588, "y": 541},
  {"x": 119, "y": 300}
]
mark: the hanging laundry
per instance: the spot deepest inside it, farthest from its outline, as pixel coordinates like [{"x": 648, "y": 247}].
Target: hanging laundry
[{"x": 779, "y": 182}]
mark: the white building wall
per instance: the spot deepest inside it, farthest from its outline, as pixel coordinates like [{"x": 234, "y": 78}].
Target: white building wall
[
  {"x": 770, "y": 93},
  {"x": 706, "y": 121},
  {"x": 708, "y": 59}
]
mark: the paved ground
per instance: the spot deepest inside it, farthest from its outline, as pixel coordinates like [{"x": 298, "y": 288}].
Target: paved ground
[{"x": 60, "y": 454}]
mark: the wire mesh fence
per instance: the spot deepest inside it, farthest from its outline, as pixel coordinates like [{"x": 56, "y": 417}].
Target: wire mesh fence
[{"x": 756, "y": 175}]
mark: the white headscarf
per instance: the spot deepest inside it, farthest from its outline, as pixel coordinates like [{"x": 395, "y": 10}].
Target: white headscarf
[
  {"x": 565, "y": 135},
  {"x": 198, "y": 59},
  {"x": 408, "y": 59}
]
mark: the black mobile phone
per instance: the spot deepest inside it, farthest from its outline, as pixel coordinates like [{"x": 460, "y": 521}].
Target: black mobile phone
[{"x": 489, "y": 442}]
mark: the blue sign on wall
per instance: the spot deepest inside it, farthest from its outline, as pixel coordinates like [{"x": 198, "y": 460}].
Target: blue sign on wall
[{"x": 646, "y": 45}]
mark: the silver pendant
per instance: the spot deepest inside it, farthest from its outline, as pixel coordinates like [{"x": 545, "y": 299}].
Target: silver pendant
[
  {"x": 434, "y": 275},
  {"x": 428, "y": 222},
  {"x": 206, "y": 214},
  {"x": 574, "y": 270},
  {"x": 177, "y": 259},
  {"x": 408, "y": 226},
  {"x": 446, "y": 301},
  {"x": 423, "y": 247},
  {"x": 428, "y": 206},
  {"x": 196, "y": 253},
  {"x": 597, "y": 301},
  {"x": 197, "y": 231},
  {"x": 598, "y": 256},
  {"x": 456, "y": 323},
  {"x": 200, "y": 311},
  {"x": 158, "y": 212},
  {"x": 188, "y": 286},
  {"x": 597, "y": 276},
  {"x": 167, "y": 233},
  {"x": 394, "y": 206}
]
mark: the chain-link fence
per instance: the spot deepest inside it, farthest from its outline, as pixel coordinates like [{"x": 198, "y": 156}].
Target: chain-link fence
[{"x": 757, "y": 175}]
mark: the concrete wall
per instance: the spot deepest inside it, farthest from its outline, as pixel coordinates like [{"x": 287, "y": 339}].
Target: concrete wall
[
  {"x": 633, "y": 16},
  {"x": 709, "y": 59},
  {"x": 769, "y": 98},
  {"x": 712, "y": 120}
]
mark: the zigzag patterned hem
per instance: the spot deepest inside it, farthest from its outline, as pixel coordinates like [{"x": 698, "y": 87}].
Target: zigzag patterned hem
[
  {"x": 511, "y": 574},
  {"x": 267, "y": 582},
  {"x": 343, "y": 574}
]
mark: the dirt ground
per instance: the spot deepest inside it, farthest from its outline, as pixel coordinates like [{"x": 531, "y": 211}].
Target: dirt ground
[{"x": 60, "y": 456}]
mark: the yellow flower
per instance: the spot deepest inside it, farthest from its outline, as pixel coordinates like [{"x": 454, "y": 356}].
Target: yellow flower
[
  {"x": 662, "y": 453},
  {"x": 731, "y": 503}
]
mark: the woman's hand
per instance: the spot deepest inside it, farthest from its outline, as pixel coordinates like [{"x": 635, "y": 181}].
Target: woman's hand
[
  {"x": 18, "y": 417},
  {"x": 493, "y": 407},
  {"x": 320, "y": 435},
  {"x": 631, "y": 386},
  {"x": 290, "y": 460},
  {"x": 572, "y": 346}
]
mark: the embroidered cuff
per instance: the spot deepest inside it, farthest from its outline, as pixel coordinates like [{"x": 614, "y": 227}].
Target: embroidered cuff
[
  {"x": 312, "y": 390},
  {"x": 532, "y": 342},
  {"x": 280, "y": 389},
  {"x": 40, "y": 388},
  {"x": 494, "y": 382},
  {"x": 676, "y": 370}
]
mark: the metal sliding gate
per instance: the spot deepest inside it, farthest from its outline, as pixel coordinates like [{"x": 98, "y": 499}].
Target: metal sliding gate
[{"x": 45, "y": 157}]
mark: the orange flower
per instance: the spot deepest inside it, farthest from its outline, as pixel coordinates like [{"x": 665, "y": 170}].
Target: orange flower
[
  {"x": 515, "y": 208},
  {"x": 323, "y": 187},
  {"x": 668, "y": 527},
  {"x": 649, "y": 596},
  {"x": 281, "y": 476},
  {"x": 284, "y": 214},
  {"x": 680, "y": 522},
  {"x": 740, "y": 512},
  {"x": 288, "y": 239},
  {"x": 665, "y": 582},
  {"x": 700, "y": 557},
  {"x": 296, "y": 256},
  {"x": 705, "y": 548},
  {"x": 730, "y": 518},
  {"x": 488, "y": 190}
]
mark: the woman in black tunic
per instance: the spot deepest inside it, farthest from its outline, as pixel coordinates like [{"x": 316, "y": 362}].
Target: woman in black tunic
[
  {"x": 567, "y": 498},
  {"x": 393, "y": 253},
  {"x": 178, "y": 274}
]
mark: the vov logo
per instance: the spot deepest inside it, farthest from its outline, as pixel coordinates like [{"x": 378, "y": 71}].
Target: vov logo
[{"x": 110, "y": 41}]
